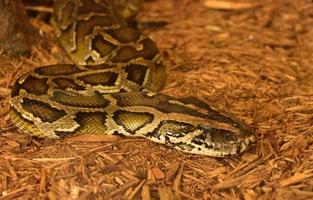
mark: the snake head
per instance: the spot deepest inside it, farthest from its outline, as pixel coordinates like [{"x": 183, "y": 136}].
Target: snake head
[
  {"x": 220, "y": 142},
  {"x": 217, "y": 140}
]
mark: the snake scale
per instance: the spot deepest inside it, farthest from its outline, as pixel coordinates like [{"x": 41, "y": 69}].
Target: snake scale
[{"x": 113, "y": 87}]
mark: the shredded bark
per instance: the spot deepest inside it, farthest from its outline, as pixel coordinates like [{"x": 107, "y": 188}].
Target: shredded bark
[{"x": 250, "y": 59}]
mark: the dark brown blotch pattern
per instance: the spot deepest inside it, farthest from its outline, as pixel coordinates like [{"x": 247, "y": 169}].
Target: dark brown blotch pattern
[
  {"x": 136, "y": 73},
  {"x": 86, "y": 27},
  {"x": 91, "y": 122},
  {"x": 162, "y": 103},
  {"x": 124, "y": 34},
  {"x": 42, "y": 110},
  {"x": 32, "y": 85},
  {"x": 89, "y": 6},
  {"x": 66, "y": 83},
  {"x": 132, "y": 121},
  {"x": 102, "y": 46},
  {"x": 55, "y": 70},
  {"x": 79, "y": 100},
  {"x": 100, "y": 78}
]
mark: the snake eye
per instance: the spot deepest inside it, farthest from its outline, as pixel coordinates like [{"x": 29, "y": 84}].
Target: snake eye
[{"x": 204, "y": 127}]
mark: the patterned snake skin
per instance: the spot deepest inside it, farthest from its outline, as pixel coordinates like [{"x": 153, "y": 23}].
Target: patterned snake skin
[{"x": 113, "y": 87}]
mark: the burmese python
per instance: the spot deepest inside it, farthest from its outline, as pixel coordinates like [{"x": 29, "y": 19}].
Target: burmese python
[{"x": 112, "y": 88}]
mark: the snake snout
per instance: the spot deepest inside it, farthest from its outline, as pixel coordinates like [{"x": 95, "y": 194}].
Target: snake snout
[{"x": 226, "y": 142}]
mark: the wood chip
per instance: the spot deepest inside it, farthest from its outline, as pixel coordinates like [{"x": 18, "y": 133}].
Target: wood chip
[
  {"x": 150, "y": 177},
  {"x": 43, "y": 181},
  {"x": 145, "y": 192},
  {"x": 11, "y": 170},
  {"x": 157, "y": 173},
  {"x": 94, "y": 138},
  {"x": 135, "y": 191},
  {"x": 297, "y": 178},
  {"x": 227, "y": 5},
  {"x": 123, "y": 188},
  {"x": 165, "y": 193}
]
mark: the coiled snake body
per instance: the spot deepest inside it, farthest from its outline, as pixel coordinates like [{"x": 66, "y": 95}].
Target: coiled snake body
[{"x": 112, "y": 88}]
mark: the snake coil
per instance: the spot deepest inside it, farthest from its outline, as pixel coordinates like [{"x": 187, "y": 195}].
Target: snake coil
[{"x": 106, "y": 91}]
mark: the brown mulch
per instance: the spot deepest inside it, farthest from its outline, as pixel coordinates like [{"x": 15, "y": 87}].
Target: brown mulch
[{"x": 252, "y": 59}]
